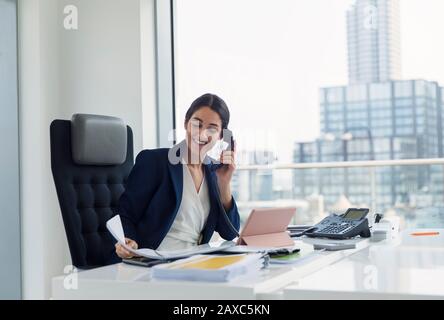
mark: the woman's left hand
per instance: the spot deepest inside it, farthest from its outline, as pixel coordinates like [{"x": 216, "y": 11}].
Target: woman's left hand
[{"x": 224, "y": 175}]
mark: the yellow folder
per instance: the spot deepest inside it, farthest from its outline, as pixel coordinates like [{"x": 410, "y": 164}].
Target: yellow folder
[{"x": 209, "y": 263}]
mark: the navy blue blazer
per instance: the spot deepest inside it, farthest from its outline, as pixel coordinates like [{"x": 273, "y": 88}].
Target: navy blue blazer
[{"x": 152, "y": 198}]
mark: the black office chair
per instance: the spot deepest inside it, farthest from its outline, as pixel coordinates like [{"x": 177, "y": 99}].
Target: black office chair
[{"x": 91, "y": 158}]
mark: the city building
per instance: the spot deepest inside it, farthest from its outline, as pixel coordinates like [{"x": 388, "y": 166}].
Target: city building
[
  {"x": 374, "y": 41},
  {"x": 376, "y": 121}
]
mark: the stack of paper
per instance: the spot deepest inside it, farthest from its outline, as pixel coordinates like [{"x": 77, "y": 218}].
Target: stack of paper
[
  {"x": 216, "y": 268},
  {"x": 115, "y": 227}
]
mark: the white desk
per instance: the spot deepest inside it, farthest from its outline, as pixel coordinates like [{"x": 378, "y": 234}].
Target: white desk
[
  {"x": 122, "y": 281},
  {"x": 410, "y": 268}
]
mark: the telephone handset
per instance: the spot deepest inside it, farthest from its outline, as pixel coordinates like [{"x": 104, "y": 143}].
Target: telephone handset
[
  {"x": 348, "y": 225},
  {"x": 227, "y": 138}
]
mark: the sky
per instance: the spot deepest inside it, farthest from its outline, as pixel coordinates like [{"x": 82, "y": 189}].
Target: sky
[{"x": 268, "y": 59}]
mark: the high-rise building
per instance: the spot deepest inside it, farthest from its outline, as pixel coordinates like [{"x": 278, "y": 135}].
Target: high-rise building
[{"x": 373, "y": 35}]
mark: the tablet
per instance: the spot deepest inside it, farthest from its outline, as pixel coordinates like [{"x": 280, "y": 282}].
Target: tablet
[{"x": 267, "y": 226}]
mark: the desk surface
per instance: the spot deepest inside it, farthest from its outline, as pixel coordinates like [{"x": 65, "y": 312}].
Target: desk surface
[
  {"x": 123, "y": 281},
  {"x": 409, "y": 268}
]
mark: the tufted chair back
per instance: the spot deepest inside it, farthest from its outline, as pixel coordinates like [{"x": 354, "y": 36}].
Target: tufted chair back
[{"x": 91, "y": 158}]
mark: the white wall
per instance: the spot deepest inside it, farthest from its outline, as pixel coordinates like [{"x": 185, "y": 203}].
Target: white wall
[{"x": 99, "y": 69}]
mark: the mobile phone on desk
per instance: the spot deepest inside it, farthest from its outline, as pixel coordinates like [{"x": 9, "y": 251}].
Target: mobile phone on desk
[{"x": 283, "y": 252}]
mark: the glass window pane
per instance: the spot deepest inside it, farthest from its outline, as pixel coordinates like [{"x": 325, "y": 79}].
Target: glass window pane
[
  {"x": 359, "y": 106},
  {"x": 403, "y": 89},
  {"x": 274, "y": 74},
  {"x": 357, "y": 93},
  {"x": 420, "y": 87},
  {"x": 335, "y": 95},
  {"x": 380, "y": 91},
  {"x": 321, "y": 96},
  {"x": 380, "y": 103},
  {"x": 403, "y": 102},
  {"x": 381, "y": 113},
  {"x": 431, "y": 90},
  {"x": 404, "y": 111}
]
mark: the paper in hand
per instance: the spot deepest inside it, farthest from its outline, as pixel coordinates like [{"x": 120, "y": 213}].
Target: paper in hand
[{"x": 114, "y": 225}]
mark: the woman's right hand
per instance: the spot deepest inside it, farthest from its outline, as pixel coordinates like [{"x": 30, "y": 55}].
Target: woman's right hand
[{"x": 124, "y": 253}]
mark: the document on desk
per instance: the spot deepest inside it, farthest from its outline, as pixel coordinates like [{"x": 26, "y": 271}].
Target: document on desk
[
  {"x": 114, "y": 225},
  {"x": 213, "y": 268}
]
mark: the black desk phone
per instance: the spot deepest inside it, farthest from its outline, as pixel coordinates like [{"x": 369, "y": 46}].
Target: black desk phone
[{"x": 348, "y": 225}]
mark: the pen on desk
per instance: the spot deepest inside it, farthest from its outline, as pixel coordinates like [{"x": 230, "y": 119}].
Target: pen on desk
[{"x": 418, "y": 234}]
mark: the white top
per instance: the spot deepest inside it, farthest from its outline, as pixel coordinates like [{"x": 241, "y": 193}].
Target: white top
[{"x": 191, "y": 216}]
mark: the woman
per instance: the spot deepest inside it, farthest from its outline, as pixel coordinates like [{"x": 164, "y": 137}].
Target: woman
[{"x": 169, "y": 204}]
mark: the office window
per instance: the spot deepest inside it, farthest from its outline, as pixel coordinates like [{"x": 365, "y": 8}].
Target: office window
[
  {"x": 321, "y": 96},
  {"x": 381, "y": 122},
  {"x": 382, "y": 132},
  {"x": 380, "y": 91},
  {"x": 403, "y": 89},
  {"x": 356, "y": 114},
  {"x": 335, "y": 126},
  {"x": 357, "y": 93},
  {"x": 404, "y": 121},
  {"x": 420, "y": 86},
  {"x": 403, "y": 102},
  {"x": 10, "y": 265},
  {"x": 421, "y": 101},
  {"x": 356, "y": 124},
  {"x": 404, "y": 111},
  {"x": 431, "y": 90},
  {"x": 382, "y": 145},
  {"x": 404, "y": 130},
  {"x": 380, "y": 103},
  {"x": 381, "y": 113},
  {"x": 432, "y": 113},
  {"x": 334, "y": 108},
  {"x": 357, "y": 106},
  {"x": 335, "y": 116},
  {"x": 335, "y": 95},
  {"x": 277, "y": 67},
  {"x": 420, "y": 111}
]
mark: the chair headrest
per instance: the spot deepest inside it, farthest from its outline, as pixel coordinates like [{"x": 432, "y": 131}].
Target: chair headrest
[{"x": 98, "y": 140}]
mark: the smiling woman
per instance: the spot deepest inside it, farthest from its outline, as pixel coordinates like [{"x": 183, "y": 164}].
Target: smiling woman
[
  {"x": 173, "y": 204},
  {"x": 204, "y": 122}
]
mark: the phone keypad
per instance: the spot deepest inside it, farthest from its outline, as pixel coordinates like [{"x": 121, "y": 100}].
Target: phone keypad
[{"x": 335, "y": 228}]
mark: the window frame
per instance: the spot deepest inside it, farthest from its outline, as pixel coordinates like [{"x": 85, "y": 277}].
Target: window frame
[{"x": 165, "y": 81}]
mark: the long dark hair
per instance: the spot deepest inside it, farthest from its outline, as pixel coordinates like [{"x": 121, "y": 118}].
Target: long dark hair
[{"x": 215, "y": 103}]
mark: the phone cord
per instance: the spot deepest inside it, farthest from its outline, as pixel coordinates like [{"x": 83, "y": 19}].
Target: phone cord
[{"x": 222, "y": 209}]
